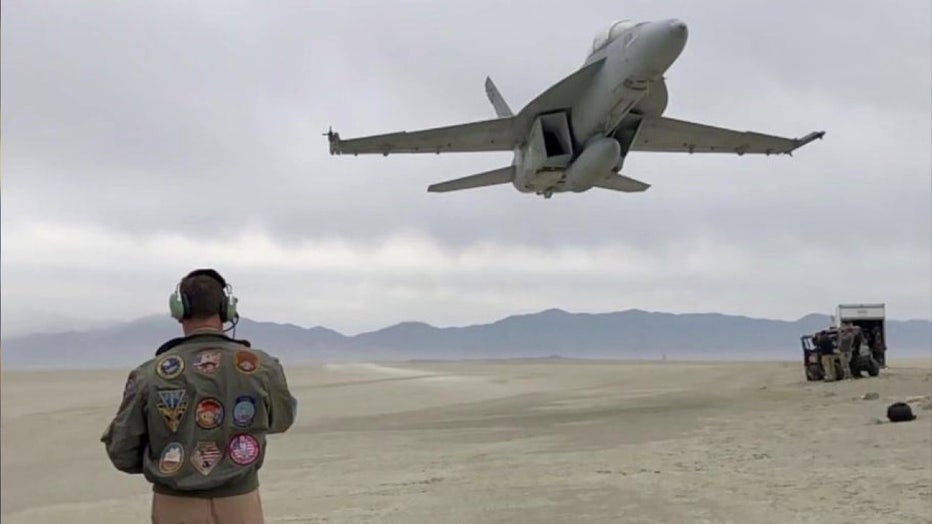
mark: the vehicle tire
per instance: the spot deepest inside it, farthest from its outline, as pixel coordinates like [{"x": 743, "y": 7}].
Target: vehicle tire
[
  {"x": 873, "y": 368},
  {"x": 856, "y": 370},
  {"x": 813, "y": 373}
]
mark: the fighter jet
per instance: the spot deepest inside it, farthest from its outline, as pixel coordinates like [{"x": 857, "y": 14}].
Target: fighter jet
[{"x": 576, "y": 135}]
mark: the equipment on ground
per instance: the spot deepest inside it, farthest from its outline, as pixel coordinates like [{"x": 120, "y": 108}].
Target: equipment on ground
[{"x": 900, "y": 412}]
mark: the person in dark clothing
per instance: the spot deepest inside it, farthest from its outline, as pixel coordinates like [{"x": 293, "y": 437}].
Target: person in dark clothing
[
  {"x": 878, "y": 348},
  {"x": 826, "y": 351}
]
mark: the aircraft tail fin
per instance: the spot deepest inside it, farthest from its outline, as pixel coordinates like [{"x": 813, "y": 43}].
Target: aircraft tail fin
[
  {"x": 489, "y": 178},
  {"x": 498, "y": 102},
  {"x": 622, "y": 183}
]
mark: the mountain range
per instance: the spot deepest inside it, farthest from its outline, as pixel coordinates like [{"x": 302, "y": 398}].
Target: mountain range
[{"x": 630, "y": 334}]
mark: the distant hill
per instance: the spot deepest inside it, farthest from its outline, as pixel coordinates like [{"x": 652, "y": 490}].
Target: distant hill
[{"x": 631, "y": 334}]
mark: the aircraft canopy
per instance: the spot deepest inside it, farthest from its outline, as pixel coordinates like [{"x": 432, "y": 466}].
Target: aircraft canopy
[{"x": 610, "y": 33}]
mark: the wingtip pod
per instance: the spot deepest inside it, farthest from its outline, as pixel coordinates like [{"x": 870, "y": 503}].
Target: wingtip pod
[
  {"x": 810, "y": 137},
  {"x": 334, "y": 139},
  {"x": 800, "y": 142}
]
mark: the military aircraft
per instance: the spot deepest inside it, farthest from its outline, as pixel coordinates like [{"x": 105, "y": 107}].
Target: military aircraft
[{"x": 576, "y": 135}]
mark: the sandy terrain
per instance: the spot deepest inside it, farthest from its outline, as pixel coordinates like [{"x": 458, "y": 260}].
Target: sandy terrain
[{"x": 532, "y": 441}]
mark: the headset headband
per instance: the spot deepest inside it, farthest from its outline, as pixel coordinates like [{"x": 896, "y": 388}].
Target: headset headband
[{"x": 208, "y": 272}]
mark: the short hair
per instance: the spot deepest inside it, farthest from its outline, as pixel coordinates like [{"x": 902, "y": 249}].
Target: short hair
[{"x": 204, "y": 295}]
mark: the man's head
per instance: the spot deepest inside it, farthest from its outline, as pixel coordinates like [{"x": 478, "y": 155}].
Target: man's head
[{"x": 202, "y": 297}]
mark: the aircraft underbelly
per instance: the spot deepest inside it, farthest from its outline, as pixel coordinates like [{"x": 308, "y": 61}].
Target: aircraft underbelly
[
  {"x": 626, "y": 95},
  {"x": 543, "y": 180},
  {"x": 610, "y": 98}
]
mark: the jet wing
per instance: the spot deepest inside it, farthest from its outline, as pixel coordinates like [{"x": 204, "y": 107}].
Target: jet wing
[
  {"x": 487, "y": 135},
  {"x": 667, "y": 135},
  {"x": 500, "y": 134}
]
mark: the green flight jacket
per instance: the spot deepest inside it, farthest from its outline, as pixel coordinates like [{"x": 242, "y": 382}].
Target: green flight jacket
[{"x": 193, "y": 420}]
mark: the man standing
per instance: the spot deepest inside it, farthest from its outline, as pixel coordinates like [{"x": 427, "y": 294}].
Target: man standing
[
  {"x": 194, "y": 419},
  {"x": 826, "y": 354},
  {"x": 878, "y": 348},
  {"x": 845, "y": 346}
]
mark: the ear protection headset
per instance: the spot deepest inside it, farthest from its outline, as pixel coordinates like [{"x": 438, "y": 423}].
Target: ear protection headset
[{"x": 179, "y": 305}]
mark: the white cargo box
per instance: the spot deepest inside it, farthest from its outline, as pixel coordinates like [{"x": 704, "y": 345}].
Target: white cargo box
[{"x": 845, "y": 312}]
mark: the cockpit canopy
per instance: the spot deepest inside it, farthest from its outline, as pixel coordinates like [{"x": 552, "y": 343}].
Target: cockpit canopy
[{"x": 610, "y": 33}]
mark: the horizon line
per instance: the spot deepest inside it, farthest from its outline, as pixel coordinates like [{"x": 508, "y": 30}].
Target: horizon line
[{"x": 114, "y": 323}]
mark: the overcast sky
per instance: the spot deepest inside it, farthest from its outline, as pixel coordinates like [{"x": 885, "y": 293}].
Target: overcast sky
[{"x": 144, "y": 139}]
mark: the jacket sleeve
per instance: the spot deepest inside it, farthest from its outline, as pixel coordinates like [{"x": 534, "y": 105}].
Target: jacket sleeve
[
  {"x": 283, "y": 406},
  {"x": 126, "y": 436}
]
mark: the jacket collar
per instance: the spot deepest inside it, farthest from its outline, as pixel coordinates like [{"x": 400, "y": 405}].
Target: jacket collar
[{"x": 206, "y": 335}]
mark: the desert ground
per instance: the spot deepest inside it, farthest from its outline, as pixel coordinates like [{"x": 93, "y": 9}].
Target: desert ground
[{"x": 518, "y": 441}]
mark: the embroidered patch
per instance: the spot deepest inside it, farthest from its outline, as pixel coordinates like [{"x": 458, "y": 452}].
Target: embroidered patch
[
  {"x": 169, "y": 367},
  {"x": 209, "y": 413},
  {"x": 243, "y": 449},
  {"x": 207, "y": 361},
  {"x": 172, "y": 459},
  {"x": 172, "y": 405},
  {"x": 247, "y": 361},
  {"x": 244, "y": 411},
  {"x": 206, "y": 456}
]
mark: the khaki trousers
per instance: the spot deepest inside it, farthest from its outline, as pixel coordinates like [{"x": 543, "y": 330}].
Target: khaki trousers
[
  {"x": 238, "y": 509},
  {"x": 828, "y": 367},
  {"x": 846, "y": 364}
]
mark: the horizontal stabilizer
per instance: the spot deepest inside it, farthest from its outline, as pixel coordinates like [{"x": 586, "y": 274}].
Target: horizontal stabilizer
[
  {"x": 623, "y": 183},
  {"x": 489, "y": 178}
]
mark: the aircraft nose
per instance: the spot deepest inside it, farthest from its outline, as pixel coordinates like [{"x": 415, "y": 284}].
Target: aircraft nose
[
  {"x": 664, "y": 40},
  {"x": 677, "y": 28}
]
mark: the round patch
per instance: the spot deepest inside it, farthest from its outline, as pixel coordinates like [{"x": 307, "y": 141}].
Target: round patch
[
  {"x": 246, "y": 361},
  {"x": 172, "y": 459},
  {"x": 209, "y": 413},
  {"x": 207, "y": 361},
  {"x": 169, "y": 367},
  {"x": 244, "y": 411},
  {"x": 243, "y": 449}
]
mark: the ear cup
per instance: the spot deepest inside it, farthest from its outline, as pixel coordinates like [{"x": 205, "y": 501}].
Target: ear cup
[{"x": 176, "y": 305}]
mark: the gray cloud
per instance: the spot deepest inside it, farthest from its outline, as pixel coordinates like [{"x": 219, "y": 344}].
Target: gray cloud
[{"x": 206, "y": 121}]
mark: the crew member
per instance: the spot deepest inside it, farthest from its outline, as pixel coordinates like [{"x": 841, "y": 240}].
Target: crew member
[
  {"x": 845, "y": 346},
  {"x": 826, "y": 354},
  {"x": 194, "y": 419},
  {"x": 878, "y": 348}
]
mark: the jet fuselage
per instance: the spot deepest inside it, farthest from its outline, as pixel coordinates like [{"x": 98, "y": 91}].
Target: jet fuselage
[{"x": 636, "y": 57}]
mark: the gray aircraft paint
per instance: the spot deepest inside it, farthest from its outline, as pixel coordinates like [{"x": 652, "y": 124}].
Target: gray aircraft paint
[{"x": 576, "y": 135}]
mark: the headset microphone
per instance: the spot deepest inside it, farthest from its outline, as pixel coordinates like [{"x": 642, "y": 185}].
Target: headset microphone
[{"x": 233, "y": 324}]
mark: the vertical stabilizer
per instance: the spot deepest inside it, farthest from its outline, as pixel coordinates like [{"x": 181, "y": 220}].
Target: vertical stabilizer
[{"x": 501, "y": 107}]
